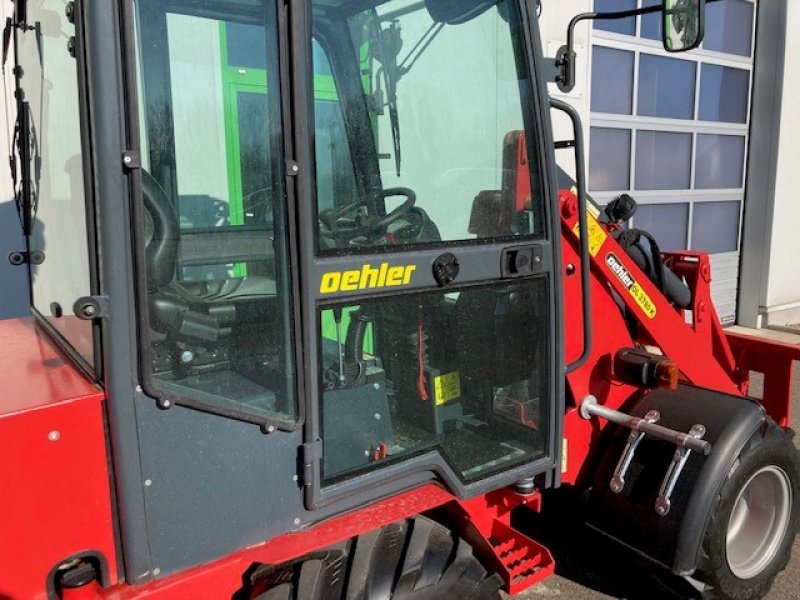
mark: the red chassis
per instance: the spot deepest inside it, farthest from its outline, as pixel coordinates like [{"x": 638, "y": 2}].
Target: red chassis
[
  {"x": 52, "y": 422},
  {"x": 53, "y": 448}
]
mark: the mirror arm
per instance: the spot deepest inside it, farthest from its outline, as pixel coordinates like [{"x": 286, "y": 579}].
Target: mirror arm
[{"x": 565, "y": 59}]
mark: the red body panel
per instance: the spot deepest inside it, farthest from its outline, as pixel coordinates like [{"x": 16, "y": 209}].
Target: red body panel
[
  {"x": 55, "y": 500},
  {"x": 221, "y": 578},
  {"x": 774, "y": 359}
]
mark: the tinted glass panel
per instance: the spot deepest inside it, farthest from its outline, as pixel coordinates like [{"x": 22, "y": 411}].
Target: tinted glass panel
[
  {"x": 715, "y": 226},
  {"x": 459, "y": 373},
  {"x": 668, "y": 223},
  {"x": 612, "y": 80},
  {"x": 626, "y": 26},
  {"x": 723, "y": 94},
  {"x": 609, "y": 159},
  {"x": 56, "y": 176},
  {"x": 666, "y": 87},
  {"x": 720, "y": 161},
  {"x": 729, "y": 27},
  {"x": 335, "y": 174},
  {"x": 246, "y": 46},
  {"x": 218, "y": 292},
  {"x": 663, "y": 160},
  {"x": 430, "y": 167}
]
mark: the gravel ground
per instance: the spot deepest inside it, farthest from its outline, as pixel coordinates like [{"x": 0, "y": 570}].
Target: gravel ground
[{"x": 590, "y": 567}]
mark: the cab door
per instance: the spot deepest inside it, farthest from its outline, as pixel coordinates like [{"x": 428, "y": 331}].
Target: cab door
[{"x": 429, "y": 295}]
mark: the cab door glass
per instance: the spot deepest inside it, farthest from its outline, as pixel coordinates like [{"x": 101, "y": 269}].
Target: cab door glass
[
  {"x": 434, "y": 118},
  {"x": 218, "y": 294},
  {"x": 436, "y": 150},
  {"x": 49, "y": 111}
]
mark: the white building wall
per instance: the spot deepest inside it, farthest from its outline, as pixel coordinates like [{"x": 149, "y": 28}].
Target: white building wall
[
  {"x": 782, "y": 298},
  {"x": 553, "y": 22},
  {"x": 769, "y": 294}
]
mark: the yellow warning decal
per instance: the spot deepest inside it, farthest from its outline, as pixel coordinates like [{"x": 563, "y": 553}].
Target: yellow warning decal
[
  {"x": 564, "y": 455},
  {"x": 447, "y": 387},
  {"x": 627, "y": 280},
  {"x": 597, "y": 234}
]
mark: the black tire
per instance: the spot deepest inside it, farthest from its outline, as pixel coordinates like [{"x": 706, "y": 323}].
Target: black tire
[
  {"x": 417, "y": 559},
  {"x": 768, "y": 467}
]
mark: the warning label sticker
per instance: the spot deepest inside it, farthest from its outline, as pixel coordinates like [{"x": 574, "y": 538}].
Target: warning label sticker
[
  {"x": 597, "y": 235},
  {"x": 446, "y": 387}
]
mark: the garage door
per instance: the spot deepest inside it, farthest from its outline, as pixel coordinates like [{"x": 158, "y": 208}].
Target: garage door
[{"x": 672, "y": 131}]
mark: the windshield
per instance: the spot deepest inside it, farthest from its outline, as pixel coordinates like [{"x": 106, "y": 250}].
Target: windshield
[{"x": 429, "y": 106}]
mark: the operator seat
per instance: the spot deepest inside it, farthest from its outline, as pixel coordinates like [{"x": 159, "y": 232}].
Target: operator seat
[{"x": 198, "y": 313}]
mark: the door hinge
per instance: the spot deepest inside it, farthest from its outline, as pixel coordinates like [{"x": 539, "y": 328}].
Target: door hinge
[
  {"x": 91, "y": 307},
  {"x": 312, "y": 454}
]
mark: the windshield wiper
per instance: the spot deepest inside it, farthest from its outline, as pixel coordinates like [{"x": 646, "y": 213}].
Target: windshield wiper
[{"x": 390, "y": 43}]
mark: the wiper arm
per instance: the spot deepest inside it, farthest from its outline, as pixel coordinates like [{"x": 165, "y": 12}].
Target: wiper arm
[{"x": 394, "y": 120}]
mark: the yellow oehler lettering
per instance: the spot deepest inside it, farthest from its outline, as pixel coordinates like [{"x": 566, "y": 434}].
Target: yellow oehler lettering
[{"x": 366, "y": 278}]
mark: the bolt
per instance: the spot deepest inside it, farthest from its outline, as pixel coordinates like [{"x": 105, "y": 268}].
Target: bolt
[
  {"x": 70, "y": 12},
  {"x": 148, "y": 482},
  {"x": 156, "y": 571},
  {"x": 378, "y": 416},
  {"x": 89, "y": 310},
  {"x": 138, "y": 389},
  {"x": 187, "y": 356},
  {"x": 366, "y": 453},
  {"x": 377, "y": 386},
  {"x": 54, "y": 436},
  {"x": 127, "y": 159},
  {"x": 297, "y": 521},
  {"x": 71, "y": 46},
  {"x": 271, "y": 428},
  {"x": 295, "y": 478},
  {"x": 295, "y": 168},
  {"x": 537, "y": 259}
]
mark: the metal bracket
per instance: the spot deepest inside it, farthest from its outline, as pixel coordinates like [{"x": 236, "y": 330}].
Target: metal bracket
[
  {"x": 679, "y": 459},
  {"x": 20, "y": 257},
  {"x": 91, "y": 307},
  {"x": 634, "y": 439},
  {"x": 131, "y": 160}
]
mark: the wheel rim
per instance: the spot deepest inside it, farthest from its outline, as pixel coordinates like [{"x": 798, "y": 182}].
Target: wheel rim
[{"x": 758, "y": 522}]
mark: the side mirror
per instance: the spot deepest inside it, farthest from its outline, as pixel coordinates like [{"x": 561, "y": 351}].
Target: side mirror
[{"x": 683, "y": 24}]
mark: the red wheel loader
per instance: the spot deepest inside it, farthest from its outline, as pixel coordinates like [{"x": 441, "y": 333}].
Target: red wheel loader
[{"x": 311, "y": 319}]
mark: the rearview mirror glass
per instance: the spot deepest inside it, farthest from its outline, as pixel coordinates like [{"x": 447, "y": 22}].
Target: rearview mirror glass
[{"x": 683, "y": 24}]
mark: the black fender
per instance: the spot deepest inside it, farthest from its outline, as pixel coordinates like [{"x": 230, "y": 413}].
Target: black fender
[{"x": 673, "y": 540}]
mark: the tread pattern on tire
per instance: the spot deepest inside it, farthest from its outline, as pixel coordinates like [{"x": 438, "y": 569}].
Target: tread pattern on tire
[
  {"x": 770, "y": 445},
  {"x": 415, "y": 559}
]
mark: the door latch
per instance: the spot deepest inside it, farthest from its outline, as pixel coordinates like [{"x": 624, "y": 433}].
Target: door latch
[{"x": 519, "y": 261}]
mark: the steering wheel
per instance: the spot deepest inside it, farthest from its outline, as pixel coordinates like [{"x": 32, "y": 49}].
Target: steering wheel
[{"x": 346, "y": 223}]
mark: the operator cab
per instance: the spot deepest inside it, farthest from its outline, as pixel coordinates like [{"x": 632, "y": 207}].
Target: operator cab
[{"x": 424, "y": 333}]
